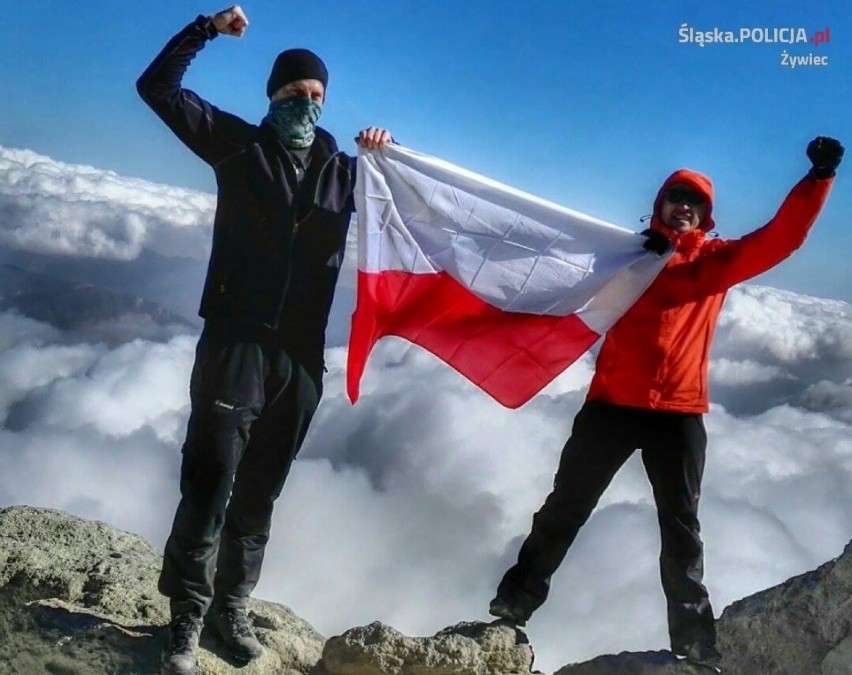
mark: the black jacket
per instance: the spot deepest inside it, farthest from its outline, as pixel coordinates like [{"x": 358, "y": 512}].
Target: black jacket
[{"x": 277, "y": 244}]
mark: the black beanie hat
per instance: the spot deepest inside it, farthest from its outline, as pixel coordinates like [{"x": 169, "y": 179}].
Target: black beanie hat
[{"x": 296, "y": 64}]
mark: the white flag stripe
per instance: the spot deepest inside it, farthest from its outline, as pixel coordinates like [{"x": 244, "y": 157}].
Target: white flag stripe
[
  {"x": 515, "y": 251},
  {"x": 620, "y": 292},
  {"x": 490, "y": 190}
]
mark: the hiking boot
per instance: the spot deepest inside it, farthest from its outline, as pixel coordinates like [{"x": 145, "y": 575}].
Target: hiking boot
[
  {"x": 701, "y": 654},
  {"x": 232, "y": 626},
  {"x": 503, "y": 609},
  {"x": 180, "y": 654}
]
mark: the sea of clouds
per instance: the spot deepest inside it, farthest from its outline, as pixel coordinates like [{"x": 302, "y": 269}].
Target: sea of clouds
[{"x": 409, "y": 506}]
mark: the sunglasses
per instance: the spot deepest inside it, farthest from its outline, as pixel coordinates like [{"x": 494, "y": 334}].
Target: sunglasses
[{"x": 679, "y": 196}]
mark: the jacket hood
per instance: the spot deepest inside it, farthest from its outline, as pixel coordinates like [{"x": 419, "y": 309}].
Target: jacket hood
[{"x": 698, "y": 182}]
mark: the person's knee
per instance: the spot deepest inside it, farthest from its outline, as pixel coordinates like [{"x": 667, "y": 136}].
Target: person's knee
[
  {"x": 207, "y": 474},
  {"x": 250, "y": 515},
  {"x": 563, "y": 512}
]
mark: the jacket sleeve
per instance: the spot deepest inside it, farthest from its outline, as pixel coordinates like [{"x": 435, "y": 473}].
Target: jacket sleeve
[
  {"x": 209, "y": 132},
  {"x": 731, "y": 262}
]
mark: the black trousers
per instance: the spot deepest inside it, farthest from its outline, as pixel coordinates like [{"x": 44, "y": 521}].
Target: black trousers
[
  {"x": 604, "y": 436},
  {"x": 251, "y": 407}
]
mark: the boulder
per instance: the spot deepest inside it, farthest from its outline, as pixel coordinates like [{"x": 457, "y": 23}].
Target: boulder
[
  {"x": 800, "y": 627},
  {"x": 473, "y": 648},
  {"x": 80, "y": 597}
]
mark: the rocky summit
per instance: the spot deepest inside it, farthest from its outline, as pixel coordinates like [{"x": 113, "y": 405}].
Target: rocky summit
[
  {"x": 79, "y": 598},
  {"x": 473, "y": 648},
  {"x": 800, "y": 627}
]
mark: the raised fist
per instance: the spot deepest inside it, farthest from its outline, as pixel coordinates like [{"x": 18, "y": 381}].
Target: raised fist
[
  {"x": 825, "y": 154},
  {"x": 230, "y": 21}
]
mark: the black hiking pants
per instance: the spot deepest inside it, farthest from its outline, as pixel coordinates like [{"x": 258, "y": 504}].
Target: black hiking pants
[
  {"x": 604, "y": 436},
  {"x": 251, "y": 406}
]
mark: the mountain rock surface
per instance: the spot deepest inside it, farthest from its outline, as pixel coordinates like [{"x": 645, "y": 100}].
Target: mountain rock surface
[
  {"x": 470, "y": 648},
  {"x": 79, "y": 597},
  {"x": 800, "y": 627}
]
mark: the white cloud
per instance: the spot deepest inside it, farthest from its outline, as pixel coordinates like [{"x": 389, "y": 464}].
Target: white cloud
[
  {"x": 775, "y": 326},
  {"x": 128, "y": 482},
  {"x": 138, "y": 385},
  {"x": 16, "y": 329},
  {"x": 27, "y": 368},
  {"x": 726, "y": 371},
  {"x": 409, "y": 506},
  {"x": 832, "y": 398},
  {"x": 51, "y": 207}
]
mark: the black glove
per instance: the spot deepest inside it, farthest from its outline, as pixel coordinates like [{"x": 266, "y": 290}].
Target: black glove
[
  {"x": 656, "y": 241},
  {"x": 825, "y": 154}
]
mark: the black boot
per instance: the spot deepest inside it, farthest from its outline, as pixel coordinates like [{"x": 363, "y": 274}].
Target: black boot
[
  {"x": 513, "y": 613},
  {"x": 701, "y": 653},
  {"x": 234, "y": 629},
  {"x": 180, "y": 655}
]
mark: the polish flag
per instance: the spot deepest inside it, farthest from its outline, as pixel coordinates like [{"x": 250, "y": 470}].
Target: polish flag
[{"x": 506, "y": 288}]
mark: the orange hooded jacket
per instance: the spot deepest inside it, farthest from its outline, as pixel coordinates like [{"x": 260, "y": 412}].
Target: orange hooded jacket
[{"x": 656, "y": 355}]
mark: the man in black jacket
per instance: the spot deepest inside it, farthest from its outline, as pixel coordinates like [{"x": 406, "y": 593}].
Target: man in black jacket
[{"x": 283, "y": 210}]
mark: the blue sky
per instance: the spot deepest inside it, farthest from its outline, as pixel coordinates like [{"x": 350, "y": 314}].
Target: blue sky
[{"x": 590, "y": 105}]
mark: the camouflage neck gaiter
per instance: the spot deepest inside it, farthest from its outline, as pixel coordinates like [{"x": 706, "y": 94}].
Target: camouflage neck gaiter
[{"x": 294, "y": 120}]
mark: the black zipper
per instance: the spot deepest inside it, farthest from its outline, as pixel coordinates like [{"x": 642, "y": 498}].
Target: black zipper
[
  {"x": 296, "y": 223},
  {"x": 316, "y": 190}
]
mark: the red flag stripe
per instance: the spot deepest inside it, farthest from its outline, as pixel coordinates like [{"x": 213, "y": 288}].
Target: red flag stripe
[{"x": 512, "y": 356}]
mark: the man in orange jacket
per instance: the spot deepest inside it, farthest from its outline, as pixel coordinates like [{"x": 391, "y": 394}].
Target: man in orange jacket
[{"x": 650, "y": 392}]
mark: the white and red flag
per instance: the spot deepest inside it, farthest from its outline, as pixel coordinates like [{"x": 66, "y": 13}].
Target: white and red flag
[{"x": 506, "y": 288}]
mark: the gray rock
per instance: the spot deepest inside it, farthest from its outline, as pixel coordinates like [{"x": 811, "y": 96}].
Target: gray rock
[
  {"x": 633, "y": 663},
  {"x": 839, "y": 660},
  {"x": 800, "y": 627},
  {"x": 464, "y": 649},
  {"x": 80, "y": 597}
]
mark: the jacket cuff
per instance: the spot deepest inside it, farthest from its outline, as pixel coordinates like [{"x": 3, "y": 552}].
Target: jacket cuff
[
  {"x": 817, "y": 175},
  {"x": 205, "y": 23}
]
